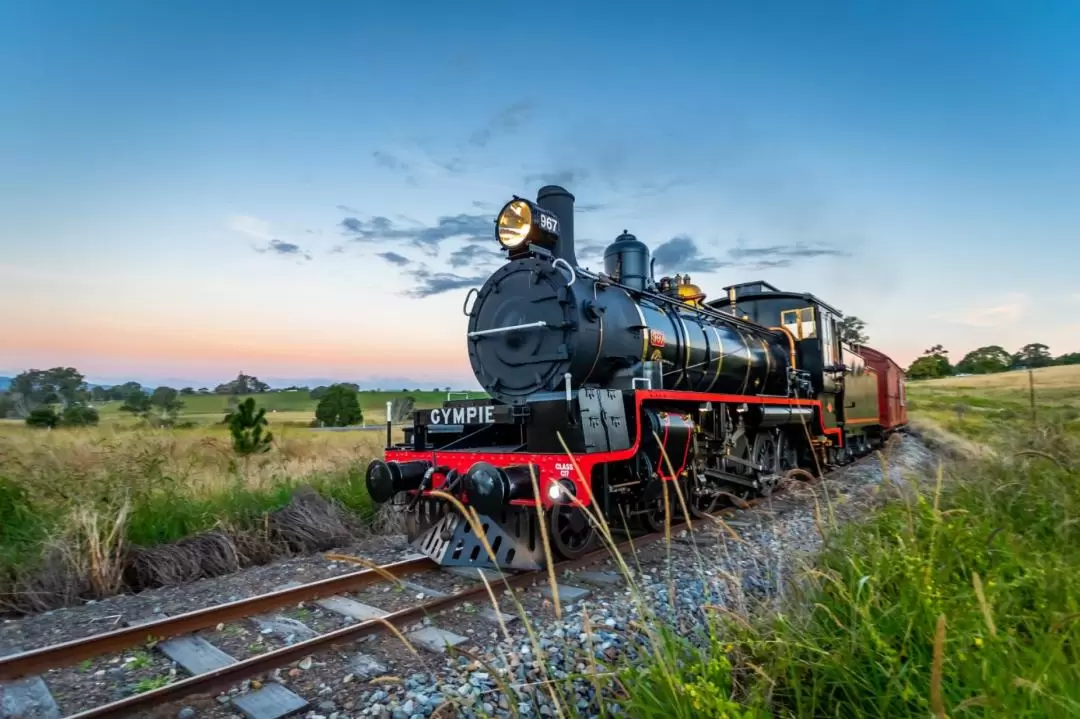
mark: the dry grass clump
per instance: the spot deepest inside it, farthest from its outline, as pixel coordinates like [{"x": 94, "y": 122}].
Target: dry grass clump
[
  {"x": 951, "y": 445},
  {"x": 86, "y": 513}
]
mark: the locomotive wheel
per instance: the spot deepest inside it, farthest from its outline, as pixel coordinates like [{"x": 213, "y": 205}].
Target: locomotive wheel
[
  {"x": 572, "y": 534},
  {"x": 787, "y": 454},
  {"x": 702, "y": 502},
  {"x": 766, "y": 453}
]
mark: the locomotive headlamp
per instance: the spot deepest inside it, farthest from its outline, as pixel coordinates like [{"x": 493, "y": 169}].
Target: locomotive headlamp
[
  {"x": 562, "y": 491},
  {"x": 521, "y": 223}
]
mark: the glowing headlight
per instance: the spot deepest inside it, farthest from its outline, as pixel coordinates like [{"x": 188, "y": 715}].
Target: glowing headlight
[
  {"x": 562, "y": 491},
  {"x": 520, "y": 222}
]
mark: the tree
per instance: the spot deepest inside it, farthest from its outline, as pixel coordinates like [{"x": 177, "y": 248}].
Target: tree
[
  {"x": 985, "y": 360},
  {"x": 79, "y": 415},
  {"x": 1033, "y": 355},
  {"x": 36, "y": 388},
  {"x": 164, "y": 398},
  {"x": 1070, "y": 358},
  {"x": 137, "y": 402},
  {"x": 122, "y": 391},
  {"x": 243, "y": 384},
  {"x": 852, "y": 331},
  {"x": 401, "y": 409},
  {"x": 246, "y": 425},
  {"x": 934, "y": 363},
  {"x": 339, "y": 407},
  {"x": 187, "y": 392},
  {"x": 99, "y": 394},
  {"x": 319, "y": 392},
  {"x": 43, "y": 417}
]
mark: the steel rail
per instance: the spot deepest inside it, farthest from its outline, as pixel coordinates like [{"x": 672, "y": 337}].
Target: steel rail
[
  {"x": 232, "y": 673},
  {"x": 36, "y": 661}
]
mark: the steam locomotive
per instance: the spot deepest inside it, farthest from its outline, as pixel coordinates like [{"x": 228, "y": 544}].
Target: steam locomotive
[{"x": 603, "y": 386}]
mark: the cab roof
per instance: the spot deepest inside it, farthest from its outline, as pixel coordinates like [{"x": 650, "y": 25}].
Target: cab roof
[{"x": 749, "y": 291}]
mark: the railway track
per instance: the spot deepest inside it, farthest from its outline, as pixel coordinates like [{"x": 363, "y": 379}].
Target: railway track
[{"x": 24, "y": 693}]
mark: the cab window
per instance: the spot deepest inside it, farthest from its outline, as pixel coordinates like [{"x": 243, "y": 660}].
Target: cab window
[{"x": 799, "y": 322}]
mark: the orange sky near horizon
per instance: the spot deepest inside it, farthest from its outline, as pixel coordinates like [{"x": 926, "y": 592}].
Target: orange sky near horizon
[{"x": 133, "y": 342}]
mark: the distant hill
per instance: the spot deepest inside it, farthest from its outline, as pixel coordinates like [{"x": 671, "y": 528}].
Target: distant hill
[{"x": 5, "y": 382}]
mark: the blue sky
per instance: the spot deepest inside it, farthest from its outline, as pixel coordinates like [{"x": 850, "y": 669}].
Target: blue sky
[{"x": 189, "y": 190}]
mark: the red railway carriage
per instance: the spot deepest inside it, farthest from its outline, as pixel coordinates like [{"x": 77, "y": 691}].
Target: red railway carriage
[
  {"x": 892, "y": 399},
  {"x": 607, "y": 388}
]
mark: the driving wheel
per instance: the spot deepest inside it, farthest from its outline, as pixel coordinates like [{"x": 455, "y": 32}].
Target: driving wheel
[{"x": 572, "y": 533}]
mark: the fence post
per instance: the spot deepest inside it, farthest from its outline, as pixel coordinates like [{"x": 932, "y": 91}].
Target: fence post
[
  {"x": 1031, "y": 391},
  {"x": 389, "y": 425}
]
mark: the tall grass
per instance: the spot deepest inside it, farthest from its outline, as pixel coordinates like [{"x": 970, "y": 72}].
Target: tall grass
[
  {"x": 959, "y": 600},
  {"x": 153, "y": 487},
  {"x": 959, "y": 597}
]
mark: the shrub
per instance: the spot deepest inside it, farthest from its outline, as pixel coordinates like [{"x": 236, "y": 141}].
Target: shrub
[
  {"x": 80, "y": 415},
  {"x": 43, "y": 417},
  {"x": 247, "y": 427},
  {"x": 339, "y": 407}
]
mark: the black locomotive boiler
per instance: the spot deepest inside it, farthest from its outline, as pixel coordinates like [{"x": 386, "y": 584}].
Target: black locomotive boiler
[{"x": 604, "y": 385}]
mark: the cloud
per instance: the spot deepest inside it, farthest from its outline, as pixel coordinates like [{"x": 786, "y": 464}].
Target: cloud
[
  {"x": 285, "y": 249},
  {"x": 588, "y": 249},
  {"x": 253, "y": 227},
  {"x": 682, "y": 253},
  {"x": 796, "y": 251},
  {"x": 394, "y": 258},
  {"x": 389, "y": 161},
  {"x": 256, "y": 229},
  {"x": 568, "y": 176},
  {"x": 425, "y": 237},
  {"x": 505, "y": 121},
  {"x": 347, "y": 208},
  {"x": 475, "y": 255},
  {"x": 1005, "y": 313},
  {"x": 431, "y": 283}
]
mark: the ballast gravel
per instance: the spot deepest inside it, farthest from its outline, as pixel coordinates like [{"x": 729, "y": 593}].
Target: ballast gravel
[{"x": 735, "y": 567}]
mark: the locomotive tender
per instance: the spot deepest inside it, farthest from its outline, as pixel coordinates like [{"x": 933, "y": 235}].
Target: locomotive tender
[{"x": 603, "y": 386}]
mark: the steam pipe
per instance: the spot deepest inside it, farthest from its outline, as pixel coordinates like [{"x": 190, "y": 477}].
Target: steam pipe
[{"x": 559, "y": 201}]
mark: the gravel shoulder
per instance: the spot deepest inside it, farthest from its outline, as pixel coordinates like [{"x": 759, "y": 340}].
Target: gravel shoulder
[{"x": 738, "y": 565}]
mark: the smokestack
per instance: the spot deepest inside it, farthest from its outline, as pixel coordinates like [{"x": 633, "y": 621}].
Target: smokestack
[{"x": 557, "y": 200}]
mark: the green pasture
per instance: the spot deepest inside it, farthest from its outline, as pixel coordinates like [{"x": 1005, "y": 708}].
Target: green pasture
[{"x": 989, "y": 407}]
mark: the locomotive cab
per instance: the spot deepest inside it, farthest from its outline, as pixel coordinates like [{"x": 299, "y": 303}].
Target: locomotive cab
[{"x": 847, "y": 387}]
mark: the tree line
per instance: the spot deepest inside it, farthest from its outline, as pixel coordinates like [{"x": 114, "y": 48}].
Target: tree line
[
  {"x": 60, "y": 396},
  {"x": 935, "y": 362}
]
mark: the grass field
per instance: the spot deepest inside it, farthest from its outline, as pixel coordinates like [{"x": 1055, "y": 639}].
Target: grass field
[
  {"x": 979, "y": 406},
  {"x": 68, "y": 494}
]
